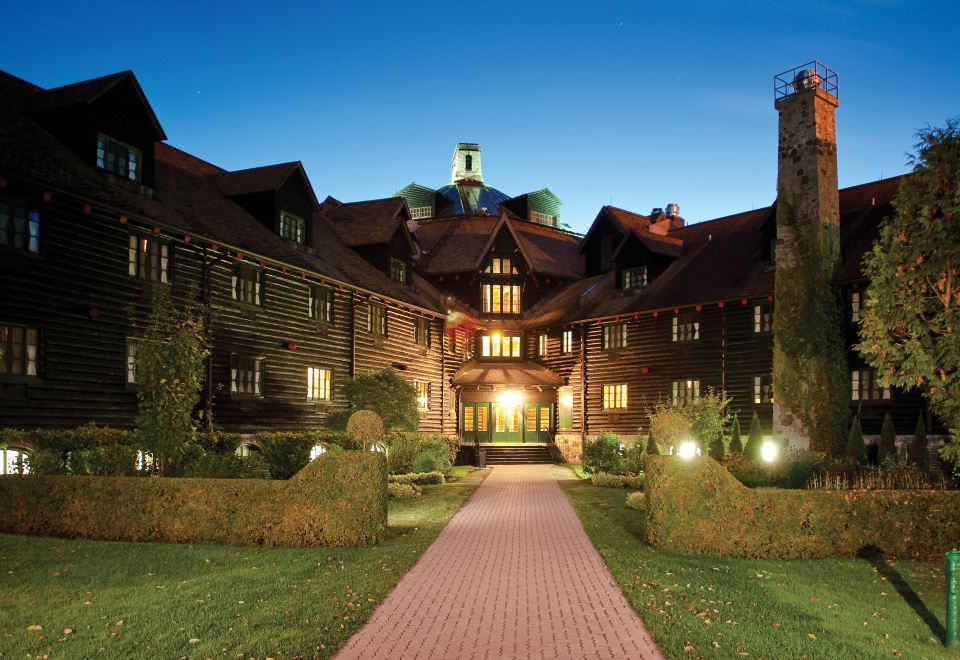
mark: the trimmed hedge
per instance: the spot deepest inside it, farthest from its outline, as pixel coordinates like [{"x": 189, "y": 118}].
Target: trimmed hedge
[
  {"x": 338, "y": 499},
  {"x": 603, "y": 479},
  {"x": 697, "y": 506},
  {"x": 400, "y": 491},
  {"x": 419, "y": 478}
]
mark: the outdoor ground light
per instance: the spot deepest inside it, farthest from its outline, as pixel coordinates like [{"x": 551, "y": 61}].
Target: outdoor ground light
[
  {"x": 688, "y": 449},
  {"x": 769, "y": 451}
]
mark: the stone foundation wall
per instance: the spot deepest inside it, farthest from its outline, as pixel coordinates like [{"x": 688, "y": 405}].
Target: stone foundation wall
[{"x": 570, "y": 446}]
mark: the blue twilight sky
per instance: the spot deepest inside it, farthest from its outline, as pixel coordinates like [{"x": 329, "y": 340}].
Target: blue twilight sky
[{"x": 634, "y": 103}]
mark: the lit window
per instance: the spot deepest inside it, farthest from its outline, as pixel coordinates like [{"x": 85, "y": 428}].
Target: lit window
[
  {"x": 377, "y": 319},
  {"x": 398, "y": 271},
  {"x": 320, "y": 301},
  {"x": 245, "y": 375},
  {"x": 635, "y": 278},
  {"x": 500, "y": 345},
  {"x": 318, "y": 384},
  {"x": 686, "y": 327},
  {"x": 292, "y": 228},
  {"x": 855, "y": 300},
  {"x": 685, "y": 390},
  {"x": 762, "y": 318},
  {"x": 118, "y": 158},
  {"x": 14, "y": 461},
  {"x": 543, "y": 218},
  {"x": 500, "y": 266},
  {"x": 501, "y": 298},
  {"x": 421, "y": 331},
  {"x": 148, "y": 257},
  {"x": 542, "y": 345},
  {"x": 763, "y": 389},
  {"x": 421, "y": 212},
  {"x": 317, "y": 450},
  {"x": 864, "y": 386},
  {"x": 614, "y": 336},
  {"x": 247, "y": 449},
  {"x": 247, "y": 282},
  {"x": 18, "y": 350},
  {"x": 19, "y": 228},
  {"x": 614, "y": 396},
  {"x": 423, "y": 394},
  {"x": 567, "y": 343},
  {"x": 131, "y": 361}
]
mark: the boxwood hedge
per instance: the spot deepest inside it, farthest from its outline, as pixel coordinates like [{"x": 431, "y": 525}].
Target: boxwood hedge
[
  {"x": 338, "y": 499},
  {"x": 698, "y": 506}
]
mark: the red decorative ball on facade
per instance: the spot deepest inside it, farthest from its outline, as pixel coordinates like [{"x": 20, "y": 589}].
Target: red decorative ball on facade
[
  {"x": 214, "y": 247},
  {"x": 156, "y": 230},
  {"x": 47, "y": 195},
  {"x": 262, "y": 263},
  {"x": 645, "y": 371},
  {"x": 186, "y": 238},
  {"x": 656, "y": 314},
  {"x": 94, "y": 313},
  {"x": 699, "y": 307},
  {"x": 770, "y": 298},
  {"x": 743, "y": 302},
  {"x": 291, "y": 346},
  {"x": 720, "y": 304},
  {"x": 676, "y": 310},
  {"x": 123, "y": 219},
  {"x": 87, "y": 209}
]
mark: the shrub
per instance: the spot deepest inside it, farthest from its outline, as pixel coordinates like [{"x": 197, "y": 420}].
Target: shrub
[
  {"x": 605, "y": 454},
  {"x": 634, "y": 456},
  {"x": 652, "y": 448},
  {"x": 888, "y": 440},
  {"x": 287, "y": 452},
  {"x": 419, "y": 478},
  {"x": 399, "y": 491},
  {"x": 696, "y": 506},
  {"x": 227, "y": 465},
  {"x": 919, "y": 453},
  {"x": 856, "y": 449},
  {"x": 386, "y": 393},
  {"x": 414, "y": 452},
  {"x": 792, "y": 470},
  {"x": 338, "y": 499},
  {"x": 86, "y": 450},
  {"x": 707, "y": 415},
  {"x": 716, "y": 450},
  {"x": 736, "y": 444},
  {"x": 668, "y": 426},
  {"x": 754, "y": 439},
  {"x": 635, "y": 501},
  {"x": 605, "y": 480},
  {"x": 366, "y": 427}
]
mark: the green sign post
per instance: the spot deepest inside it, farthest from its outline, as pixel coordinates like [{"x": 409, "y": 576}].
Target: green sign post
[{"x": 953, "y": 598}]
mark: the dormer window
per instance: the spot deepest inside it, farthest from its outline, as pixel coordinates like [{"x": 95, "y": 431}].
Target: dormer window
[
  {"x": 500, "y": 287},
  {"x": 634, "y": 278},
  {"x": 398, "y": 271},
  {"x": 292, "y": 228},
  {"x": 118, "y": 158}
]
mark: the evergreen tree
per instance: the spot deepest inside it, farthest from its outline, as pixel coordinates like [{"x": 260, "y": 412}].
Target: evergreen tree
[
  {"x": 652, "y": 448},
  {"x": 754, "y": 439},
  {"x": 888, "y": 440},
  {"x": 736, "y": 444},
  {"x": 919, "y": 454},
  {"x": 856, "y": 449},
  {"x": 716, "y": 449}
]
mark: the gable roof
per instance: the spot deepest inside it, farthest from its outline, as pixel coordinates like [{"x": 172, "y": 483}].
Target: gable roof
[
  {"x": 267, "y": 178},
  {"x": 625, "y": 221},
  {"x": 371, "y": 222}
]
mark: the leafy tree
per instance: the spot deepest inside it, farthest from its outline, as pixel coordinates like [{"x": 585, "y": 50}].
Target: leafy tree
[
  {"x": 707, "y": 415},
  {"x": 386, "y": 393},
  {"x": 652, "y": 448},
  {"x": 736, "y": 444},
  {"x": 856, "y": 448},
  {"x": 171, "y": 349},
  {"x": 909, "y": 331},
  {"x": 919, "y": 453},
  {"x": 888, "y": 440},
  {"x": 754, "y": 439}
]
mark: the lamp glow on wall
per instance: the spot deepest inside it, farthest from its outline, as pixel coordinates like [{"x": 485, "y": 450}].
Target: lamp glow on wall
[
  {"x": 511, "y": 398},
  {"x": 566, "y": 399}
]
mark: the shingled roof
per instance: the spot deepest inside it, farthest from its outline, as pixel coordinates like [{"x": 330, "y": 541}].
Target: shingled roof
[
  {"x": 256, "y": 179},
  {"x": 371, "y": 222}
]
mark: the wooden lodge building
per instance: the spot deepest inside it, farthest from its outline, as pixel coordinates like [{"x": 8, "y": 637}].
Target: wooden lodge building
[{"x": 511, "y": 328}]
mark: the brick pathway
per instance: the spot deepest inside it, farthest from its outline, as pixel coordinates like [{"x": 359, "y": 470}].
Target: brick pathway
[{"x": 513, "y": 575}]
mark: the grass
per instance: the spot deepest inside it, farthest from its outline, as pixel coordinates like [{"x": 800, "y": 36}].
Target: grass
[
  {"x": 460, "y": 471},
  {"x": 701, "y": 606},
  {"x": 164, "y": 600},
  {"x": 578, "y": 470}
]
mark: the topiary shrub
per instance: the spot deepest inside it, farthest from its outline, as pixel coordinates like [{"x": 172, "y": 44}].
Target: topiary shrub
[
  {"x": 366, "y": 427},
  {"x": 287, "y": 452},
  {"x": 736, "y": 444},
  {"x": 652, "y": 448},
  {"x": 635, "y": 501},
  {"x": 919, "y": 452},
  {"x": 754, "y": 439},
  {"x": 716, "y": 449},
  {"x": 227, "y": 465},
  {"x": 605, "y": 454},
  {"x": 856, "y": 448},
  {"x": 888, "y": 441},
  {"x": 668, "y": 426},
  {"x": 419, "y": 478},
  {"x": 400, "y": 491},
  {"x": 605, "y": 480}
]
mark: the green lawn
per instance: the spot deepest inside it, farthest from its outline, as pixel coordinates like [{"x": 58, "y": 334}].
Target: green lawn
[
  {"x": 160, "y": 600},
  {"x": 728, "y": 608}
]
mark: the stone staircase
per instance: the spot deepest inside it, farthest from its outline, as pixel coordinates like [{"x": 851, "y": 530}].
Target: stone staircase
[{"x": 519, "y": 454}]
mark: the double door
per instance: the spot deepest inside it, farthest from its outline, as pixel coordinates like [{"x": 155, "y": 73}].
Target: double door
[{"x": 496, "y": 422}]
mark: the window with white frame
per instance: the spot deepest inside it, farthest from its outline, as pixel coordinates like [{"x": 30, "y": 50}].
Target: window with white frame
[
  {"x": 500, "y": 344},
  {"x": 542, "y": 345},
  {"x": 246, "y": 374},
  {"x": 320, "y": 303},
  {"x": 423, "y": 394},
  {"x": 318, "y": 384},
  {"x": 148, "y": 258},
  {"x": 14, "y": 460},
  {"x": 634, "y": 278},
  {"x": 18, "y": 350},
  {"x": 131, "y": 361},
  {"x": 614, "y": 336},
  {"x": 247, "y": 284},
  {"x": 118, "y": 158},
  {"x": 762, "y": 318},
  {"x": 684, "y": 390},
  {"x": 292, "y": 227},
  {"x": 566, "y": 345},
  {"x": 377, "y": 319},
  {"x": 686, "y": 327},
  {"x": 855, "y": 300},
  {"x": 864, "y": 386},
  {"x": 543, "y": 218},
  {"x": 19, "y": 227},
  {"x": 615, "y": 396},
  {"x": 763, "y": 389},
  {"x": 421, "y": 212}
]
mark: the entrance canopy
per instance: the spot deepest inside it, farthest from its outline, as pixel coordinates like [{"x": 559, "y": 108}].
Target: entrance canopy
[{"x": 517, "y": 374}]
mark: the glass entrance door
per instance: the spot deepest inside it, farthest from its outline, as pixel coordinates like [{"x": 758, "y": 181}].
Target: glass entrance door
[
  {"x": 506, "y": 423},
  {"x": 537, "y": 418},
  {"x": 475, "y": 422}
]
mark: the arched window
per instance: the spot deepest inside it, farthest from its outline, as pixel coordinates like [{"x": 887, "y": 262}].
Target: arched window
[
  {"x": 246, "y": 449},
  {"x": 468, "y": 162},
  {"x": 317, "y": 450},
  {"x": 14, "y": 460}
]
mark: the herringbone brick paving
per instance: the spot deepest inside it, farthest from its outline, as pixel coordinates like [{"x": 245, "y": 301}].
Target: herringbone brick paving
[{"x": 513, "y": 575}]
